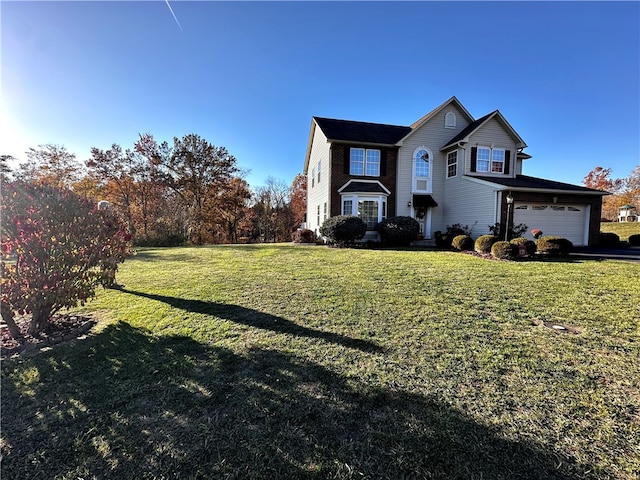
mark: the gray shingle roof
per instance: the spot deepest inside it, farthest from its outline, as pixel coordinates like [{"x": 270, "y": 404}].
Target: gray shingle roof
[
  {"x": 534, "y": 183},
  {"x": 468, "y": 129},
  {"x": 362, "y": 132},
  {"x": 363, "y": 187}
]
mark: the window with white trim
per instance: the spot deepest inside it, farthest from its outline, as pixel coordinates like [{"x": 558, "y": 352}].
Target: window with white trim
[
  {"x": 497, "y": 160},
  {"x": 452, "y": 164},
  {"x": 364, "y": 162},
  {"x": 313, "y": 177},
  {"x": 325, "y": 209},
  {"x": 318, "y": 172},
  {"x": 347, "y": 206},
  {"x": 422, "y": 163},
  {"x": 450, "y": 120},
  {"x": 372, "y": 209},
  {"x": 318, "y": 218},
  {"x": 483, "y": 159}
]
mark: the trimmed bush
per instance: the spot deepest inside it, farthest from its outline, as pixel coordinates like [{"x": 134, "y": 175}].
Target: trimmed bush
[
  {"x": 484, "y": 242},
  {"x": 634, "y": 240},
  {"x": 343, "y": 229},
  {"x": 462, "y": 243},
  {"x": 303, "y": 236},
  {"x": 529, "y": 245},
  {"x": 609, "y": 239},
  {"x": 503, "y": 250},
  {"x": 554, "y": 246},
  {"x": 399, "y": 231}
]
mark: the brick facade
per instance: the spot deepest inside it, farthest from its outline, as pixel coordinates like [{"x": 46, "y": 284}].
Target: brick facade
[{"x": 340, "y": 174}]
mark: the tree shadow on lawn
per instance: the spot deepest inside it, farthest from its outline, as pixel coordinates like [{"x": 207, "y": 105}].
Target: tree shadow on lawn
[
  {"x": 256, "y": 319},
  {"x": 128, "y": 405}
]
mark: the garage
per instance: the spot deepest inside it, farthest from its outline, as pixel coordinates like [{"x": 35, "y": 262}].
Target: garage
[{"x": 568, "y": 221}]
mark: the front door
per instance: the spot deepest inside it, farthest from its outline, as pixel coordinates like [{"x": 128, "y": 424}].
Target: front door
[{"x": 423, "y": 216}]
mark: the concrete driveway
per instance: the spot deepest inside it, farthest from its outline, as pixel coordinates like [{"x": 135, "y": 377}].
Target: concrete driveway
[{"x": 628, "y": 254}]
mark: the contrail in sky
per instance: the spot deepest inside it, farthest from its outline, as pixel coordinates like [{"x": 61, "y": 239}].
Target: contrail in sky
[{"x": 174, "y": 15}]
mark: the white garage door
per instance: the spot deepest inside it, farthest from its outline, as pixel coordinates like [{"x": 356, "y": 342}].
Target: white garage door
[{"x": 568, "y": 221}]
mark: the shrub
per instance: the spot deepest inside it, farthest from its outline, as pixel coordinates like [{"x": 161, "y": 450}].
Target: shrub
[
  {"x": 514, "y": 230},
  {"x": 65, "y": 247},
  {"x": 554, "y": 246},
  {"x": 444, "y": 240},
  {"x": 484, "y": 242},
  {"x": 462, "y": 242},
  {"x": 609, "y": 239},
  {"x": 504, "y": 250},
  {"x": 303, "y": 235},
  {"x": 343, "y": 229},
  {"x": 399, "y": 231},
  {"x": 634, "y": 240},
  {"x": 529, "y": 245}
]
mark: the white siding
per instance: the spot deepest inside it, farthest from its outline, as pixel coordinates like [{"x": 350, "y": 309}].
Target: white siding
[
  {"x": 434, "y": 136},
  {"x": 468, "y": 203},
  {"x": 318, "y": 192},
  {"x": 492, "y": 134}
]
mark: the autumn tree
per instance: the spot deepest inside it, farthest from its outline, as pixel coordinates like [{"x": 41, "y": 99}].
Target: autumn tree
[
  {"x": 65, "y": 248},
  {"x": 5, "y": 169},
  {"x": 50, "y": 164},
  {"x": 198, "y": 172},
  {"x": 298, "y": 198},
  {"x": 600, "y": 179},
  {"x": 272, "y": 212}
]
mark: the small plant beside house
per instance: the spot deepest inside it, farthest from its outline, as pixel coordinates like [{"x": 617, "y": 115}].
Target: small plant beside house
[
  {"x": 483, "y": 243},
  {"x": 503, "y": 250},
  {"x": 634, "y": 240},
  {"x": 445, "y": 240},
  {"x": 529, "y": 245},
  {"x": 399, "y": 231},
  {"x": 514, "y": 230},
  {"x": 609, "y": 239},
  {"x": 554, "y": 246},
  {"x": 303, "y": 235},
  {"x": 462, "y": 243},
  {"x": 343, "y": 230}
]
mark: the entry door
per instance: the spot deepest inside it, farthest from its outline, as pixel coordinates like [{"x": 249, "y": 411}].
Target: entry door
[{"x": 423, "y": 216}]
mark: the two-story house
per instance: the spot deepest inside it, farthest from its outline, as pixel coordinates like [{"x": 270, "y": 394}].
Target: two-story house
[{"x": 444, "y": 169}]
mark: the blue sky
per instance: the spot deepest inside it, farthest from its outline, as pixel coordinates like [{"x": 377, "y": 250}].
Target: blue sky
[{"x": 250, "y": 75}]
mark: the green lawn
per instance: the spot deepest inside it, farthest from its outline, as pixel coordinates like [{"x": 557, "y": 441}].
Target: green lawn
[
  {"x": 622, "y": 229},
  {"x": 265, "y": 362}
]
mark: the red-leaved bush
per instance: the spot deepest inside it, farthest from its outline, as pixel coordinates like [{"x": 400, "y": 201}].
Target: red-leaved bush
[{"x": 57, "y": 249}]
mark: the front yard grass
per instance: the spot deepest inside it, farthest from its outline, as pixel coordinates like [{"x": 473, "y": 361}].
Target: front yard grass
[
  {"x": 623, "y": 229},
  {"x": 252, "y": 362}
]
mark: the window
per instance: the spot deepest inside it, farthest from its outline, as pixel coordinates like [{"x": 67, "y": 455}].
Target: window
[
  {"x": 372, "y": 209},
  {"x": 557, "y": 208},
  {"x": 325, "y": 209},
  {"x": 422, "y": 162},
  {"x": 452, "y": 163},
  {"x": 372, "y": 165},
  {"x": 484, "y": 157},
  {"x": 538, "y": 207},
  {"x": 347, "y": 206},
  {"x": 450, "y": 120},
  {"x": 497, "y": 160},
  {"x": 364, "y": 162},
  {"x": 318, "y": 172},
  {"x": 313, "y": 177},
  {"x": 318, "y": 218}
]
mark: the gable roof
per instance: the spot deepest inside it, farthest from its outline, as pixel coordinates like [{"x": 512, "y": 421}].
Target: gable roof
[
  {"x": 525, "y": 182},
  {"x": 363, "y": 186},
  {"x": 464, "y": 135},
  {"x": 421, "y": 121},
  {"x": 361, "y": 132}
]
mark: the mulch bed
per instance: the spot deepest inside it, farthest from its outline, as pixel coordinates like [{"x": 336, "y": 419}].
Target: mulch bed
[{"x": 61, "y": 329}]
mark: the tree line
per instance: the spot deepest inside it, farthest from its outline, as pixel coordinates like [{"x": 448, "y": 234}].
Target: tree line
[
  {"x": 624, "y": 191},
  {"x": 187, "y": 191}
]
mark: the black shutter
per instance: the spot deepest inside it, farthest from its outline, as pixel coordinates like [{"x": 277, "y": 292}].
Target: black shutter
[
  {"x": 507, "y": 160},
  {"x": 347, "y": 160},
  {"x": 474, "y": 158},
  {"x": 383, "y": 163}
]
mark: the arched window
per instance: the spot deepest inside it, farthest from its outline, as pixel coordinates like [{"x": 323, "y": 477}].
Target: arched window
[
  {"x": 422, "y": 161},
  {"x": 450, "y": 120}
]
